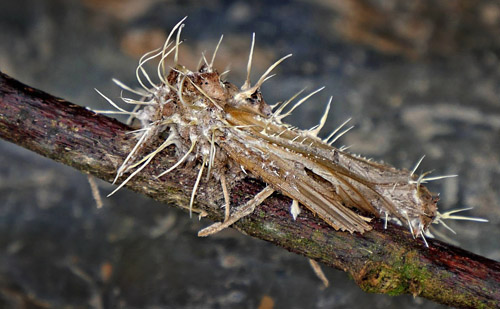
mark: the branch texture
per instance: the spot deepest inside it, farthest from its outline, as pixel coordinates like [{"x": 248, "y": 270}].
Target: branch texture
[{"x": 380, "y": 261}]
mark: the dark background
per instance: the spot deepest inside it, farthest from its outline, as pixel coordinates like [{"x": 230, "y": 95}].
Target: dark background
[{"x": 418, "y": 77}]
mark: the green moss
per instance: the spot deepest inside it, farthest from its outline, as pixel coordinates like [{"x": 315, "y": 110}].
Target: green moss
[{"x": 396, "y": 277}]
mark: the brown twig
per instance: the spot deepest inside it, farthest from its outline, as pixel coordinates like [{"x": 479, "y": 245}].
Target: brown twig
[{"x": 380, "y": 261}]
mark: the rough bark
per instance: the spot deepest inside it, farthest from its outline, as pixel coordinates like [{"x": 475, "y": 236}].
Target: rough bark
[{"x": 380, "y": 261}]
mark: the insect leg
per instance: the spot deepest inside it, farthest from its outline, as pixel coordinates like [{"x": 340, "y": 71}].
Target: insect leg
[
  {"x": 195, "y": 187},
  {"x": 226, "y": 197},
  {"x": 241, "y": 212}
]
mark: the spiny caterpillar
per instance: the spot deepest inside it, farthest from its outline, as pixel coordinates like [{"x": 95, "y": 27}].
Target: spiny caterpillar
[{"x": 230, "y": 131}]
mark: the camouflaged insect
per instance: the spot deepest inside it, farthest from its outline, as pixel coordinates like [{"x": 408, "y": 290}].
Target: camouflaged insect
[{"x": 231, "y": 131}]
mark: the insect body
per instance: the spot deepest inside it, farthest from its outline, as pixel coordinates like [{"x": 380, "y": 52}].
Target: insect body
[{"x": 229, "y": 130}]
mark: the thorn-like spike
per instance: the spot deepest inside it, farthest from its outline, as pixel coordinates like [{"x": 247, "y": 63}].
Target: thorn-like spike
[
  {"x": 427, "y": 179},
  {"x": 344, "y": 147},
  {"x": 409, "y": 224},
  {"x": 131, "y": 153},
  {"x": 423, "y": 236},
  {"x": 167, "y": 42},
  {"x": 299, "y": 103},
  {"x": 262, "y": 79},
  {"x": 440, "y": 217},
  {"x": 112, "y": 112},
  {"x": 268, "y": 78},
  {"x": 161, "y": 63},
  {"x": 166, "y": 143},
  {"x": 224, "y": 73},
  {"x": 204, "y": 60},
  {"x": 417, "y": 165},
  {"x": 340, "y": 135},
  {"x": 454, "y": 211},
  {"x": 336, "y": 130},
  {"x": 211, "y": 155},
  {"x": 177, "y": 40},
  {"x": 447, "y": 227},
  {"x": 275, "y": 105},
  {"x": 247, "y": 83},
  {"x": 136, "y": 102},
  {"x": 211, "y": 65},
  {"x": 463, "y": 218},
  {"x": 205, "y": 94},
  {"x": 184, "y": 157},
  {"x": 179, "y": 91},
  {"x": 284, "y": 104},
  {"x": 148, "y": 78},
  {"x": 142, "y": 61},
  {"x": 125, "y": 87},
  {"x": 322, "y": 122},
  {"x": 294, "y": 209},
  {"x": 112, "y": 103}
]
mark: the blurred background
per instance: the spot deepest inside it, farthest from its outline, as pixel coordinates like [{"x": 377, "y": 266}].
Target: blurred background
[{"x": 418, "y": 77}]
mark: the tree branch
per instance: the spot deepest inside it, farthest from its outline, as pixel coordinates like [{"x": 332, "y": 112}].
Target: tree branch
[{"x": 380, "y": 261}]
